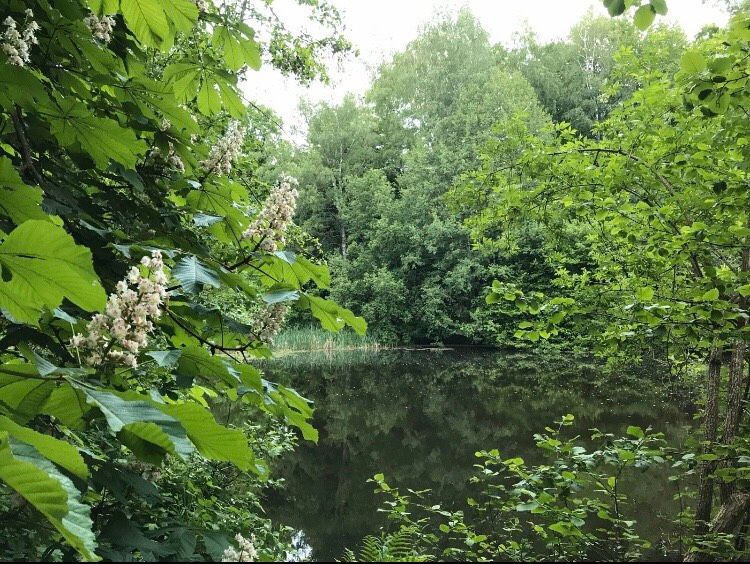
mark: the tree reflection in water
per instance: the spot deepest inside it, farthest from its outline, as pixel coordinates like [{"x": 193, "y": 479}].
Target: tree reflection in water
[{"x": 419, "y": 416}]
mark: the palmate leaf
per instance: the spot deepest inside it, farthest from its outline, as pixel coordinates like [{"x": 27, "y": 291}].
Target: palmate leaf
[
  {"x": 211, "y": 88},
  {"x": 220, "y": 198},
  {"x": 41, "y": 265},
  {"x": 141, "y": 422},
  {"x": 238, "y": 46},
  {"x": 18, "y": 201},
  {"x": 22, "y": 87},
  {"x": 277, "y": 400},
  {"x": 181, "y": 13},
  {"x": 296, "y": 410},
  {"x": 60, "y": 452},
  {"x": 197, "y": 363},
  {"x": 285, "y": 268},
  {"x": 147, "y": 21},
  {"x": 184, "y": 78},
  {"x": 212, "y": 440},
  {"x": 154, "y": 22},
  {"x": 73, "y": 124},
  {"x": 332, "y": 316},
  {"x": 147, "y": 441},
  {"x": 152, "y": 429},
  {"x": 156, "y": 99},
  {"x": 24, "y": 395},
  {"x": 192, "y": 274},
  {"x": 211, "y": 323},
  {"x": 52, "y": 493},
  {"x": 68, "y": 405},
  {"x": 21, "y": 394}
]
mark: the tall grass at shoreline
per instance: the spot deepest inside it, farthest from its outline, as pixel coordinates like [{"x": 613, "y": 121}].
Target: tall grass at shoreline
[{"x": 315, "y": 339}]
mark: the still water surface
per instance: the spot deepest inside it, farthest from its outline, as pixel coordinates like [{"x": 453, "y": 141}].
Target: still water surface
[{"x": 419, "y": 416}]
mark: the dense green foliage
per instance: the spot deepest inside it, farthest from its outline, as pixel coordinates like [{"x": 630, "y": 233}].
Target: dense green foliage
[{"x": 374, "y": 173}]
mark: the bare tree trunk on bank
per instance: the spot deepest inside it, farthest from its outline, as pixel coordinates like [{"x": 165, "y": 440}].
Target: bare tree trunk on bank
[
  {"x": 710, "y": 430},
  {"x": 735, "y": 392}
]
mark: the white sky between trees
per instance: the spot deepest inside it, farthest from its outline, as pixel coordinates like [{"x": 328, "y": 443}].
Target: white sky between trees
[{"x": 380, "y": 28}]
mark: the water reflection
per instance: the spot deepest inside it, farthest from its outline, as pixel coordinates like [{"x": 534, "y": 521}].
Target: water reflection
[{"x": 418, "y": 416}]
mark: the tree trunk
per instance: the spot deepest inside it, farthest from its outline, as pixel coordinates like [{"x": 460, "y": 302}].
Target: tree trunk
[
  {"x": 728, "y": 520},
  {"x": 735, "y": 392},
  {"x": 342, "y": 232},
  {"x": 710, "y": 428}
]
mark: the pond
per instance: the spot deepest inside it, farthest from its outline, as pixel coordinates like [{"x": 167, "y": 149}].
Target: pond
[{"x": 418, "y": 417}]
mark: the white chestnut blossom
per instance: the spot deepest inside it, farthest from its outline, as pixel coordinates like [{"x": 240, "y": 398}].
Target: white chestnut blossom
[
  {"x": 17, "y": 45},
  {"x": 270, "y": 321},
  {"x": 228, "y": 147},
  {"x": 172, "y": 158},
  {"x": 122, "y": 330},
  {"x": 202, "y": 5},
  {"x": 269, "y": 227},
  {"x": 175, "y": 162},
  {"x": 245, "y": 551},
  {"x": 101, "y": 28}
]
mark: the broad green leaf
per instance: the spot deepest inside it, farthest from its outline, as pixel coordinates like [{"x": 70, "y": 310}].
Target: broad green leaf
[
  {"x": 197, "y": 363},
  {"x": 192, "y": 274},
  {"x": 147, "y": 441},
  {"x": 636, "y": 432},
  {"x": 209, "y": 101},
  {"x": 744, "y": 290},
  {"x": 182, "y": 13},
  {"x": 212, "y": 440},
  {"x": 219, "y": 198},
  {"x": 493, "y": 298},
  {"x": 147, "y": 20},
  {"x": 166, "y": 358},
  {"x": 332, "y": 316},
  {"x": 614, "y": 7},
  {"x": 239, "y": 49},
  {"x": 564, "y": 528},
  {"x": 68, "y": 405},
  {"x": 52, "y": 493},
  {"x": 645, "y": 294},
  {"x": 660, "y": 7},
  {"x": 21, "y": 86},
  {"x": 692, "y": 62},
  {"x": 231, "y": 100},
  {"x": 102, "y": 139},
  {"x": 712, "y": 295},
  {"x": 128, "y": 414},
  {"x": 21, "y": 393},
  {"x": 297, "y": 411},
  {"x": 185, "y": 80},
  {"x": 60, "y": 452},
  {"x": 18, "y": 201},
  {"x": 288, "y": 269},
  {"x": 644, "y": 17},
  {"x": 41, "y": 265}
]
